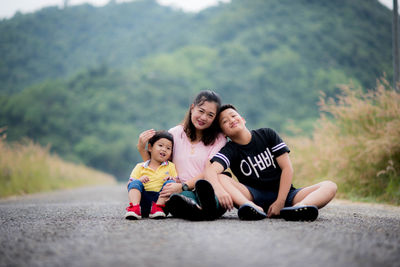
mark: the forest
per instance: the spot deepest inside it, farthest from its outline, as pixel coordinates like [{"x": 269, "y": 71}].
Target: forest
[{"x": 87, "y": 80}]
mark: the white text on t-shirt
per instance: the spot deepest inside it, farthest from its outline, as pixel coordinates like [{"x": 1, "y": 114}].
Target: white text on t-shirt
[{"x": 258, "y": 163}]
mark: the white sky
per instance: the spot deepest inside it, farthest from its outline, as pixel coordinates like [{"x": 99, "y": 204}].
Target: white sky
[{"x": 9, "y": 7}]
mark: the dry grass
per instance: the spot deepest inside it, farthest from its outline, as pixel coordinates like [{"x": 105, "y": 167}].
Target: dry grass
[
  {"x": 356, "y": 144},
  {"x": 26, "y": 167}
]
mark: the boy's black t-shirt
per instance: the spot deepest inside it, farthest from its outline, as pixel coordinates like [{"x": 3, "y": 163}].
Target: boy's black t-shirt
[{"x": 255, "y": 164}]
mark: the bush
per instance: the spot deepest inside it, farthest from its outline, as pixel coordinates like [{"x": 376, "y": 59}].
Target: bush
[{"x": 356, "y": 144}]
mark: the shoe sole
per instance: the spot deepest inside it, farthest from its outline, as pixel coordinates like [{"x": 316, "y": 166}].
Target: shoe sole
[
  {"x": 302, "y": 213},
  {"x": 249, "y": 213},
  {"x": 180, "y": 208},
  {"x": 206, "y": 196},
  {"x": 132, "y": 216},
  {"x": 157, "y": 215}
]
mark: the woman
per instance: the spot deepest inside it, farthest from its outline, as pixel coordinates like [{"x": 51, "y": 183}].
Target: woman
[{"x": 196, "y": 141}]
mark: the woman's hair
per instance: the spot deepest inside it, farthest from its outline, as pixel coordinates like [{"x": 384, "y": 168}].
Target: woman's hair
[
  {"x": 211, "y": 133},
  {"x": 161, "y": 134}
]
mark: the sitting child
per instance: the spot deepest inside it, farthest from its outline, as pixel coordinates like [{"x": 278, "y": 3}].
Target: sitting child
[
  {"x": 148, "y": 179},
  {"x": 260, "y": 161}
]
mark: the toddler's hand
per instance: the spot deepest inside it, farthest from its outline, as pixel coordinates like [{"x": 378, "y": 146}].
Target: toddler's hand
[{"x": 144, "y": 179}]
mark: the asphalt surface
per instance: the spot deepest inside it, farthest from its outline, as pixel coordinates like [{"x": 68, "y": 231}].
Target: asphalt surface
[{"x": 86, "y": 227}]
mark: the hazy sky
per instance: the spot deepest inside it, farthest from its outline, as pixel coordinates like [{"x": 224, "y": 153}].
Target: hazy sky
[{"x": 9, "y": 7}]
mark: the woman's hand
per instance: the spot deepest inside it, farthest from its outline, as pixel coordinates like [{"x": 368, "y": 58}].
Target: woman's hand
[
  {"x": 275, "y": 208},
  {"x": 175, "y": 179},
  {"x": 144, "y": 137},
  {"x": 170, "y": 188}
]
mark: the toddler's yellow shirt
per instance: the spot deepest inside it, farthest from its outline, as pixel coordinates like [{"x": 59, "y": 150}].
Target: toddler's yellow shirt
[{"x": 166, "y": 169}]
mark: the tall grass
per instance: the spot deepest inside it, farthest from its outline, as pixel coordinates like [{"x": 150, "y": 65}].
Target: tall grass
[
  {"x": 356, "y": 144},
  {"x": 26, "y": 167}
]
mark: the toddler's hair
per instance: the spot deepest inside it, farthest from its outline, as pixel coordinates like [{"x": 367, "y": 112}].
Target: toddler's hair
[{"x": 161, "y": 134}]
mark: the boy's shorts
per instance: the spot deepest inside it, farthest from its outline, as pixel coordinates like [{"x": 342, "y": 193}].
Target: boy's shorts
[
  {"x": 265, "y": 198},
  {"x": 147, "y": 196}
]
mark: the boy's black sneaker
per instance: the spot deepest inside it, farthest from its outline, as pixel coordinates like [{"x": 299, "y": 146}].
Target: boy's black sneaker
[
  {"x": 183, "y": 207},
  {"x": 300, "y": 213},
  {"x": 206, "y": 196},
  {"x": 249, "y": 213}
]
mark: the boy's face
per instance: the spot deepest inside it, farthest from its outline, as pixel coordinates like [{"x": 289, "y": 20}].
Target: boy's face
[
  {"x": 231, "y": 122},
  {"x": 161, "y": 150}
]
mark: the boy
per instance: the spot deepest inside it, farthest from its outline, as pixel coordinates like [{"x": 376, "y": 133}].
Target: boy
[
  {"x": 148, "y": 178},
  {"x": 260, "y": 161}
]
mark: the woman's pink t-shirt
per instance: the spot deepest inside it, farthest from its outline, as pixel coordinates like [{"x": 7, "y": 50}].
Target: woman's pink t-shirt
[{"x": 190, "y": 159}]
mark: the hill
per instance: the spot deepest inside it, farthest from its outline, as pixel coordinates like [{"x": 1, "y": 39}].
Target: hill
[{"x": 87, "y": 80}]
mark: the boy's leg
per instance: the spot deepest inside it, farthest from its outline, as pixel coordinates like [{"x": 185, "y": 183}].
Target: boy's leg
[
  {"x": 135, "y": 189},
  {"x": 134, "y": 196},
  {"x": 239, "y": 192},
  {"x": 308, "y": 200},
  {"x": 148, "y": 197},
  {"x": 242, "y": 199},
  {"x": 318, "y": 195},
  {"x": 133, "y": 211}
]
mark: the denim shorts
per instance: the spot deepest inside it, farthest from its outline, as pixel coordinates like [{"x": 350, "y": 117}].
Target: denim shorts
[
  {"x": 265, "y": 198},
  {"x": 147, "y": 196}
]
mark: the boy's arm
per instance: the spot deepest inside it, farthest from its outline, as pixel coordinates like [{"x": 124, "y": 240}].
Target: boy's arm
[
  {"x": 211, "y": 173},
  {"x": 286, "y": 181}
]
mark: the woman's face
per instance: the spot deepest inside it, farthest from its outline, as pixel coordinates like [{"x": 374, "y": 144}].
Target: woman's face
[{"x": 203, "y": 115}]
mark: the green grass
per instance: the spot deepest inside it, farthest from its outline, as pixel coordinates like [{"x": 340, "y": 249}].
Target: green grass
[{"x": 27, "y": 168}]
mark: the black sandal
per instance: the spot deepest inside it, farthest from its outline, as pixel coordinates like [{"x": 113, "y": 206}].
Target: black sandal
[
  {"x": 300, "y": 213},
  {"x": 249, "y": 213}
]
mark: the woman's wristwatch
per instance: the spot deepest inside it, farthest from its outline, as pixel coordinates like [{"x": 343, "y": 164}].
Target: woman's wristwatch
[{"x": 185, "y": 187}]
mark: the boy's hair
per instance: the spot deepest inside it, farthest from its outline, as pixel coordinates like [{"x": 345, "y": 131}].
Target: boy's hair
[
  {"x": 226, "y": 106},
  {"x": 158, "y": 135},
  {"x": 211, "y": 133}
]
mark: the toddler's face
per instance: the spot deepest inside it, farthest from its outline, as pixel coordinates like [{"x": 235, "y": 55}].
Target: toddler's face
[{"x": 161, "y": 150}]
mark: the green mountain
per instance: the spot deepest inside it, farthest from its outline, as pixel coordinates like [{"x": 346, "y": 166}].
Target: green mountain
[{"x": 88, "y": 80}]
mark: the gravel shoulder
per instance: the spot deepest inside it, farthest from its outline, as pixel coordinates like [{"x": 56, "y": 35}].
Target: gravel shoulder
[{"x": 85, "y": 227}]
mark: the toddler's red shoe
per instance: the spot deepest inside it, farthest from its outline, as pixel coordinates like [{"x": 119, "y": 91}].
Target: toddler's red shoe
[
  {"x": 157, "y": 211},
  {"x": 133, "y": 212}
]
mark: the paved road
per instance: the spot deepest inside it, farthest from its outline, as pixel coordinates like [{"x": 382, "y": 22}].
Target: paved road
[{"x": 85, "y": 227}]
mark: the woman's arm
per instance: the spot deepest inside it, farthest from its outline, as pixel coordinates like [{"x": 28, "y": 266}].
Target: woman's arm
[
  {"x": 144, "y": 137},
  {"x": 172, "y": 188}
]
